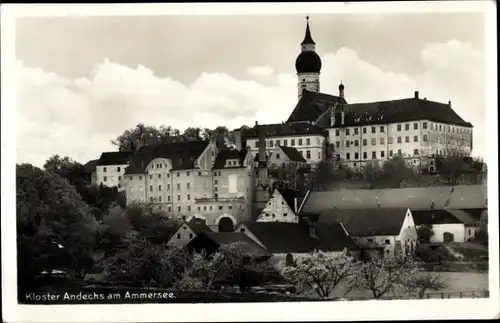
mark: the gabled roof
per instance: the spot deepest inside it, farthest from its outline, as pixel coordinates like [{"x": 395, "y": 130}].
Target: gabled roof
[
  {"x": 313, "y": 104},
  {"x": 198, "y": 226},
  {"x": 289, "y": 196},
  {"x": 463, "y": 217},
  {"x": 281, "y": 237},
  {"x": 448, "y": 216},
  {"x": 429, "y": 217},
  {"x": 367, "y": 222},
  {"x": 91, "y": 165},
  {"x": 415, "y": 198},
  {"x": 293, "y": 154},
  {"x": 393, "y": 111},
  {"x": 182, "y": 155},
  {"x": 114, "y": 158},
  {"x": 224, "y": 155},
  {"x": 248, "y": 245},
  {"x": 285, "y": 129}
]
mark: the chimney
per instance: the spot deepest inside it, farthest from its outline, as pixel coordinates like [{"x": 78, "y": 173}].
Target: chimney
[
  {"x": 262, "y": 147},
  {"x": 416, "y": 94},
  {"x": 312, "y": 227},
  {"x": 449, "y": 103}
]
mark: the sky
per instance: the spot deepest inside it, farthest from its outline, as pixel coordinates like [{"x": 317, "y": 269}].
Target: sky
[{"x": 84, "y": 80}]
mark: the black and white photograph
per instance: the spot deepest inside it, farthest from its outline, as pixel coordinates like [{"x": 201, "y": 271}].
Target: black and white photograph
[{"x": 272, "y": 161}]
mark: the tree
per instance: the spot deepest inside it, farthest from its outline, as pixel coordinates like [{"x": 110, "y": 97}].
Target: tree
[
  {"x": 321, "y": 176},
  {"x": 220, "y": 133},
  {"x": 203, "y": 272},
  {"x": 69, "y": 169},
  {"x": 482, "y": 233},
  {"x": 388, "y": 175},
  {"x": 147, "y": 264},
  {"x": 319, "y": 271},
  {"x": 192, "y": 133},
  {"x": 382, "y": 275},
  {"x": 55, "y": 228},
  {"x": 132, "y": 139},
  {"x": 291, "y": 175},
  {"x": 422, "y": 282},
  {"x": 372, "y": 172},
  {"x": 425, "y": 232}
]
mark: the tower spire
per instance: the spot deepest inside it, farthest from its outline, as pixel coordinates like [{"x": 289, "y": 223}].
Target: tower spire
[{"x": 308, "y": 38}]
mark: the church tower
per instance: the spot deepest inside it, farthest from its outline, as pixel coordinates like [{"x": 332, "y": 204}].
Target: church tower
[{"x": 308, "y": 64}]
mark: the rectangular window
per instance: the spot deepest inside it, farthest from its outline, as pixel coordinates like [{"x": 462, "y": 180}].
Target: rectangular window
[
  {"x": 159, "y": 198},
  {"x": 308, "y": 154},
  {"x": 169, "y": 209},
  {"x": 382, "y": 141},
  {"x": 187, "y": 173},
  {"x": 118, "y": 168},
  {"x": 407, "y": 126},
  {"x": 229, "y": 207},
  {"x": 189, "y": 209},
  {"x": 338, "y": 157},
  {"x": 374, "y": 154},
  {"x": 348, "y": 156},
  {"x": 188, "y": 185},
  {"x": 390, "y": 153},
  {"x": 356, "y": 131},
  {"x": 178, "y": 197},
  {"x": 390, "y": 140},
  {"x": 407, "y": 139},
  {"x": 308, "y": 141},
  {"x": 415, "y": 151},
  {"x": 415, "y": 126},
  {"x": 425, "y": 138},
  {"x": 365, "y": 155},
  {"x": 356, "y": 143},
  {"x": 365, "y": 142},
  {"x": 256, "y": 145},
  {"x": 382, "y": 129},
  {"x": 399, "y": 152},
  {"x": 271, "y": 143},
  {"x": 373, "y": 129},
  {"x": 347, "y": 132},
  {"x": 277, "y": 156},
  {"x": 105, "y": 178},
  {"x": 399, "y": 127},
  {"x": 168, "y": 198},
  {"x": 415, "y": 138},
  {"x": 189, "y": 197},
  {"x": 382, "y": 153},
  {"x": 168, "y": 187},
  {"x": 293, "y": 142},
  {"x": 119, "y": 178},
  {"x": 151, "y": 199},
  {"x": 347, "y": 142},
  {"x": 374, "y": 141},
  {"x": 150, "y": 188},
  {"x": 104, "y": 169},
  {"x": 150, "y": 176},
  {"x": 159, "y": 187},
  {"x": 337, "y": 144},
  {"x": 178, "y": 174},
  {"x": 215, "y": 181},
  {"x": 179, "y": 208},
  {"x": 300, "y": 141},
  {"x": 337, "y": 132},
  {"x": 364, "y": 130},
  {"x": 215, "y": 189},
  {"x": 178, "y": 186},
  {"x": 356, "y": 155},
  {"x": 285, "y": 142},
  {"x": 159, "y": 176}
]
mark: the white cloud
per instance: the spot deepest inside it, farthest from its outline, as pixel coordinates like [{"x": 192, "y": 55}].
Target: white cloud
[
  {"x": 260, "y": 70},
  {"x": 79, "y": 117}
]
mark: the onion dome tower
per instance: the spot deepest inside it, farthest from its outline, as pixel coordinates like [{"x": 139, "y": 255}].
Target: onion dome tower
[{"x": 308, "y": 64}]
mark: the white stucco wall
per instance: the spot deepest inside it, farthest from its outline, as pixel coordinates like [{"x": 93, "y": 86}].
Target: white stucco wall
[
  {"x": 277, "y": 210},
  {"x": 182, "y": 236}
]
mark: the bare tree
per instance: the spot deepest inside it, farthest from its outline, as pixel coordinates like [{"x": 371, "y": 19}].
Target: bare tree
[
  {"x": 319, "y": 271},
  {"x": 422, "y": 282},
  {"x": 382, "y": 275}
]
